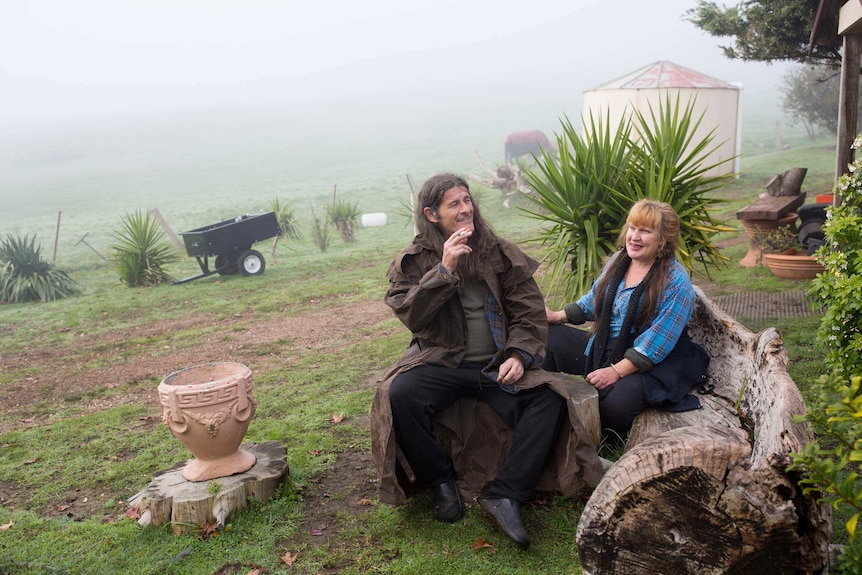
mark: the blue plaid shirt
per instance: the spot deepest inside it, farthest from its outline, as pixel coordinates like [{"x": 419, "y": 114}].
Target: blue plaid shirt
[{"x": 673, "y": 313}]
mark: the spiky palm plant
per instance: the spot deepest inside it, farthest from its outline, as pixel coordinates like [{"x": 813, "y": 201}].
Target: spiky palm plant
[
  {"x": 141, "y": 253},
  {"x": 25, "y": 276},
  {"x": 285, "y": 214},
  {"x": 578, "y": 194},
  {"x": 586, "y": 191},
  {"x": 344, "y": 215},
  {"x": 670, "y": 166},
  {"x": 287, "y": 222}
]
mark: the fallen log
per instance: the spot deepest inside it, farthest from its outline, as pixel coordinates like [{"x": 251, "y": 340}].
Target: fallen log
[{"x": 708, "y": 491}]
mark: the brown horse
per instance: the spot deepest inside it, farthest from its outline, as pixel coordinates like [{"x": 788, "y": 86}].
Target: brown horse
[{"x": 522, "y": 143}]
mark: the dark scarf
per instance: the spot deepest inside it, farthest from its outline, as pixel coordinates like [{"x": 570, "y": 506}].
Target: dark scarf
[{"x": 603, "y": 328}]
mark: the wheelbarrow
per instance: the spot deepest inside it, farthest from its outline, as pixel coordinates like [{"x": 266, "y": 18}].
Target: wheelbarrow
[{"x": 230, "y": 243}]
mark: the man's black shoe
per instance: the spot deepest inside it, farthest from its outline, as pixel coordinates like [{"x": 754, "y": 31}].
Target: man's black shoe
[
  {"x": 507, "y": 514},
  {"x": 447, "y": 502}
]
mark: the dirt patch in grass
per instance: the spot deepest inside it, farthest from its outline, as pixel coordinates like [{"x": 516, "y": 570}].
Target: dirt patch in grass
[{"x": 99, "y": 371}]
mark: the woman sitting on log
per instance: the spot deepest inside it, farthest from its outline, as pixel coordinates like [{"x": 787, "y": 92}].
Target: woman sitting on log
[{"x": 638, "y": 353}]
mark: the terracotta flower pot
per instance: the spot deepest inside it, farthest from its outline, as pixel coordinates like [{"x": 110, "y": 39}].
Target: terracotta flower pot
[
  {"x": 208, "y": 408},
  {"x": 791, "y": 265}
]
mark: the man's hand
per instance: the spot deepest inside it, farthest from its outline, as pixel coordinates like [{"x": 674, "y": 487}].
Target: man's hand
[
  {"x": 455, "y": 247},
  {"x": 511, "y": 370}
]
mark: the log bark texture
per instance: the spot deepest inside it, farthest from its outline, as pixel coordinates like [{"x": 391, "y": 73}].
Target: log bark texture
[
  {"x": 187, "y": 505},
  {"x": 708, "y": 491}
]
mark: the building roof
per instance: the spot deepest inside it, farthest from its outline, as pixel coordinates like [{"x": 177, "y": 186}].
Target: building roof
[{"x": 664, "y": 74}]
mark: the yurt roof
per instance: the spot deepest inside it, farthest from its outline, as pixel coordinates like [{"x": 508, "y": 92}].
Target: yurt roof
[{"x": 664, "y": 74}]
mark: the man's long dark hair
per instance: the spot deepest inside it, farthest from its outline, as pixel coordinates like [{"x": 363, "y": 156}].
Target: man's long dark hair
[{"x": 483, "y": 237}]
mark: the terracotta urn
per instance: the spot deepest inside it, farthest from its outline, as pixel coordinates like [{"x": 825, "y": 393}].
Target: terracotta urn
[{"x": 208, "y": 408}]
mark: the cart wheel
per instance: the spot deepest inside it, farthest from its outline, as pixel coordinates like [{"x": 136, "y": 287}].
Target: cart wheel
[
  {"x": 224, "y": 265},
  {"x": 251, "y": 263}
]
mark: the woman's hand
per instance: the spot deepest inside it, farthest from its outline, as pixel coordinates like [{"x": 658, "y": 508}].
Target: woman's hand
[
  {"x": 455, "y": 247},
  {"x": 555, "y": 316},
  {"x": 602, "y": 377}
]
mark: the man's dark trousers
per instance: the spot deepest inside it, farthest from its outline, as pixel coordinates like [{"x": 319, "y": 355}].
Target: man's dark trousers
[{"x": 535, "y": 415}]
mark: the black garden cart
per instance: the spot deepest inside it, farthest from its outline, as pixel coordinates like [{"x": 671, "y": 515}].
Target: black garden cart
[{"x": 230, "y": 242}]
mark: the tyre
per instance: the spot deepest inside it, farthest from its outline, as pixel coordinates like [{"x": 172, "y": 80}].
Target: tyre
[
  {"x": 251, "y": 263},
  {"x": 224, "y": 265},
  {"x": 811, "y": 230}
]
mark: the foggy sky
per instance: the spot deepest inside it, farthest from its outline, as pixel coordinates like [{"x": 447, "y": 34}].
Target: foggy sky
[{"x": 88, "y": 58}]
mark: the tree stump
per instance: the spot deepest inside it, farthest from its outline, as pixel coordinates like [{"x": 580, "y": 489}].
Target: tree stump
[
  {"x": 708, "y": 491},
  {"x": 187, "y": 505},
  {"x": 787, "y": 183}
]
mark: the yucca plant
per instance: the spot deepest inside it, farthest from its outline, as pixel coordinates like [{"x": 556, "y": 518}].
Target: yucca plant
[
  {"x": 576, "y": 192},
  {"x": 585, "y": 191},
  {"x": 141, "y": 253},
  {"x": 670, "y": 166},
  {"x": 344, "y": 215},
  {"x": 287, "y": 222},
  {"x": 285, "y": 214},
  {"x": 25, "y": 276}
]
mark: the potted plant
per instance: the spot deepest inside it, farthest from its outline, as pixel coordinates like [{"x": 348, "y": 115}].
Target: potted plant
[{"x": 785, "y": 256}]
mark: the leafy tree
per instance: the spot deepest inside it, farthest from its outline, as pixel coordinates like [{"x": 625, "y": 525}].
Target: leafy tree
[
  {"x": 811, "y": 95},
  {"x": 764, "y": 30},
  {"x": 25, "y": 276}
]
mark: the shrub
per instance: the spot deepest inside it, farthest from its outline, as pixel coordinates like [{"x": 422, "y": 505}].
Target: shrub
[
  {"x": 141, "y": 253},
  {"x": 320, "y": 233},
  {"x": 778, "y": 240},
  {"x": 838, "y": 288},
  {"x": 25, "y": 276},
  {"x": 830, "y": 463},
  {"x": 585, "y": 191}
]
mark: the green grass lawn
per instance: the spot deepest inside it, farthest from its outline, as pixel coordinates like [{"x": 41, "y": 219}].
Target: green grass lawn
[{"x": 74, "y": 448}]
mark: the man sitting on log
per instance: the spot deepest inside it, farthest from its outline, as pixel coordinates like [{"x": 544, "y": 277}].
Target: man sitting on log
[{"x": 479, "y": 329}]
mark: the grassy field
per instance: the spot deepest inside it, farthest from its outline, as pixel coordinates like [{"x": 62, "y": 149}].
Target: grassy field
[{"x": 324, "y": 347}]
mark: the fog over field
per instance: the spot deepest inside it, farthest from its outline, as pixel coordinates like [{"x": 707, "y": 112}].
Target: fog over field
[{"x": 114, "y": 106}]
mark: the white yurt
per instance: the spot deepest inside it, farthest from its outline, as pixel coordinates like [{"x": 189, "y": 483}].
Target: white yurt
[{"x": 716, "y": 100}]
